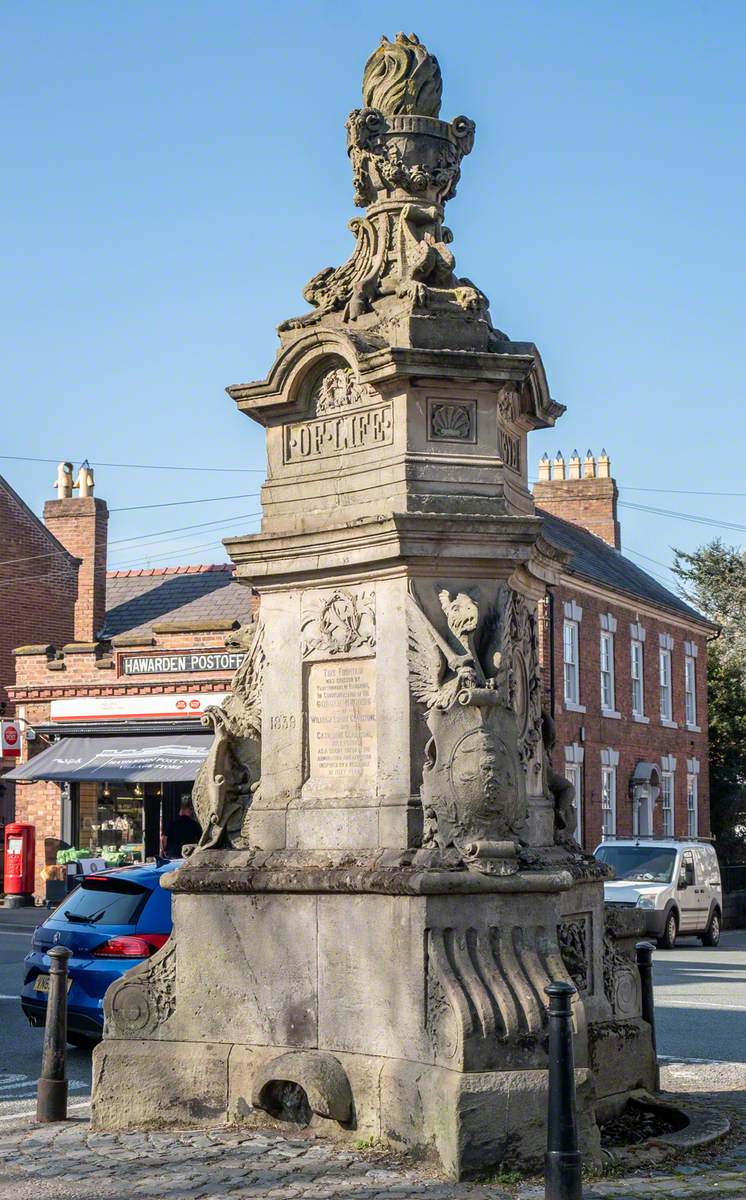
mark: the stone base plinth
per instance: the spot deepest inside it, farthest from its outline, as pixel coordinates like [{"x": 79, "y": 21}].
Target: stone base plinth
[
  {"x": 464, "y": 1122},
  {"x": 418, "y": 1019}
]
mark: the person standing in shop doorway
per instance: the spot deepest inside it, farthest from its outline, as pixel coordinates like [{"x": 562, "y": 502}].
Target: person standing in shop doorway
[{"x": 182, "y": 831}]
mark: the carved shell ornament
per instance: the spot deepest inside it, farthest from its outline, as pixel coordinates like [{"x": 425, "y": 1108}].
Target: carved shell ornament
[{"x": 452, "y": 422}]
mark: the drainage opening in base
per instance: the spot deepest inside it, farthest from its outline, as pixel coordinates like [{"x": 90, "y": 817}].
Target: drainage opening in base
[
  {"x": 286, "y": 1101},
  {"x": 638, "y": 1121}
]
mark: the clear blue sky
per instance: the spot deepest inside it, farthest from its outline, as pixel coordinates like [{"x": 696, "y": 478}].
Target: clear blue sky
[{"x": 174, "y": 173}]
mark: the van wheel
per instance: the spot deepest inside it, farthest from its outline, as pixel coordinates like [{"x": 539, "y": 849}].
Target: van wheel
[
  {"x": 667, "y": 940},
  {"x": 711, "y": 935}
]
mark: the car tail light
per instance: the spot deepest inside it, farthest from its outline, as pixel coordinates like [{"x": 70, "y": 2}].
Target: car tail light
[{"x": 141, "y": 945}]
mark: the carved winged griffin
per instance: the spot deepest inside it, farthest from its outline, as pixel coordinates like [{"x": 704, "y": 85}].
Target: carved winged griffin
[
  {"x": 473, "y": 782},
  {"x": 228, "y": 779}
]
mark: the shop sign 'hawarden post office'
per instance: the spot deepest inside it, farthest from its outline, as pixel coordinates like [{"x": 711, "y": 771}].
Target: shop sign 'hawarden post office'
[{"x": 185, "y": 662}]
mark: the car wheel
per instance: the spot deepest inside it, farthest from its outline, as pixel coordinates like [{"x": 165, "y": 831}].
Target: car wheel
[
  {"x": 711, "y": 935},
  {"x": 82, "y": 1041},
  {"x": 667, "y": 940}
]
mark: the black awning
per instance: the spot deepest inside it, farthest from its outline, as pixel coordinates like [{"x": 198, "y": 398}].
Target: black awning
[{"x": 144, "y": 759}]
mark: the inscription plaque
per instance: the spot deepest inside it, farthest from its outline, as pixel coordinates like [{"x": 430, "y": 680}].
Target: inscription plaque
[
  {"x": 341, "y": 700},
  {"x": 356, "y": 430}
]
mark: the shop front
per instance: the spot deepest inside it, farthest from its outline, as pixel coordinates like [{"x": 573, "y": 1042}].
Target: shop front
[{"x": 117, "y": 794}]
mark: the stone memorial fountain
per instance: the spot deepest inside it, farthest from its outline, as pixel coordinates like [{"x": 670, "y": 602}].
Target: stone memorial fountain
[{"x": 388, "y": 876}]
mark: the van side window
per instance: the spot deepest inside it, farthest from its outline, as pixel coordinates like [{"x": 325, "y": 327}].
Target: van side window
[{"x": 686, "y": 874}]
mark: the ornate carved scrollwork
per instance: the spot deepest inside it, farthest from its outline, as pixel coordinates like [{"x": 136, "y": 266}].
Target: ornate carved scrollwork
[
  {"x": 338, "y": 389},
  {"x": 406, "y": 164},
  {"x": 145, "y": 998},
  {"x": 228, "y": 779},
  {"x": 338, "y": 622},
  {"x": 621, "y": 980},
  {"x": 573, "y": 935},
  {"x": 520, "y": 664}
]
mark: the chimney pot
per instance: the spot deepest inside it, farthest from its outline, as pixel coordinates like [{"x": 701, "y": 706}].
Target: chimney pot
[
  {"x": 64, "y": 480},
  {"x": 589, "y": 502}
]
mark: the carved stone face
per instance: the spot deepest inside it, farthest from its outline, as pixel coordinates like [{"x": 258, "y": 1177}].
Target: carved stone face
[{"x": 461, "y": 613}]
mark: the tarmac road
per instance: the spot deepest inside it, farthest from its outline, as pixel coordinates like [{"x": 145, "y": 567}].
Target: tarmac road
[
  {"x": 700, "y": 1013},
  {"x": 700, "y": 1000},
  {"x": 20, "y": 1045}
]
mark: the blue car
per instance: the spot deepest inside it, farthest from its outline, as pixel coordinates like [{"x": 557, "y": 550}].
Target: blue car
[{"x": 111, "y": 922}]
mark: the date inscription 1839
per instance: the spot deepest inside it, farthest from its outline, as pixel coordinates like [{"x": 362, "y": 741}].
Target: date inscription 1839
[{"x": 349, "y": 431}]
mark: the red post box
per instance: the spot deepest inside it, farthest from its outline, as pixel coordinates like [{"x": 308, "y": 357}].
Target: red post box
[{"x": 19, "y": 862}]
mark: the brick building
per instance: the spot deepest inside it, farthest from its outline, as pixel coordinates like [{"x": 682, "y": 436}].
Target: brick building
[
  {"x": 38, "y": 590},
  {"x": 625, "y": 669},
  {"x": 111, "y": 715},
  {"x": 114, "y": 711}
]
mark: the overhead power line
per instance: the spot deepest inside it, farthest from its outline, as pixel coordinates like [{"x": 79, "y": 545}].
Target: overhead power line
[
  {"x": 179, "y": 528},
  {"x": 180, "y": 503},
  {"x": 136, "y": 466},
  {"x": 680, "y": 516},
  {"x": 677, "y": 491},
  {"x": 220, "y": 523},
  {"x": 647, "y": 557}
]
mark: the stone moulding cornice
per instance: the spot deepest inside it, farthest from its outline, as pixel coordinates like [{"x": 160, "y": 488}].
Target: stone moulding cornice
[
  {"x": 239, "y": 871},
  {"x": 278, "y": 396},
  {"x": 502, "y": 543}
]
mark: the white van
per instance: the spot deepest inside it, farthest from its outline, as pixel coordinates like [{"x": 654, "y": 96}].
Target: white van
[{"x": 676, "y": 883}]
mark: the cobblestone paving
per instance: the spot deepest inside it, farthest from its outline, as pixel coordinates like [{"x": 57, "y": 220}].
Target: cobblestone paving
[{"x": 70, "y": 1162}]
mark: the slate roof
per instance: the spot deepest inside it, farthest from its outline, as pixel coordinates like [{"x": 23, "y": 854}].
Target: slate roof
[
  {"x": 136, "y": 600},
  {"x": 595, "y": 560}
]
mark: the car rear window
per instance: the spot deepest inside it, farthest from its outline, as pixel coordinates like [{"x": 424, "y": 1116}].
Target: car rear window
[{"x": 109, "y": 901}]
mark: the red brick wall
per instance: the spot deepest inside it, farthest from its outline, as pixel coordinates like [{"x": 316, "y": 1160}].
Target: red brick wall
[
  {"x": 633, "y": 740},
  {"x": 81, "y": 524},
  {"x": 590, "y": 503},
  {"x": 38, "y": 584}
]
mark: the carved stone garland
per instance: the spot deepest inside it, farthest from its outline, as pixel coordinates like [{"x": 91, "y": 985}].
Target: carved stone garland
[
  {"x": 338, "y": 622},
  {"x": 519, "y": 672},
  {"x": 572, "y": 935}
]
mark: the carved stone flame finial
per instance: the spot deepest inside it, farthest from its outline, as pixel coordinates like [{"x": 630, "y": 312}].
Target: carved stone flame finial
[{"x": 402, "y": 77}]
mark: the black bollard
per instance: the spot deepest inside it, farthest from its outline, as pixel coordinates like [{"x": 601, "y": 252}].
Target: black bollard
[
  {"x": 51, "y": 1093},
  {"x": 563, "y": 1167},
  {"x": 645, "y": 970}
]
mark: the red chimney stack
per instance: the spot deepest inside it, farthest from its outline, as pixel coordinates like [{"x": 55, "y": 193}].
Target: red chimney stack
[{"x": 80, "y": 523}]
